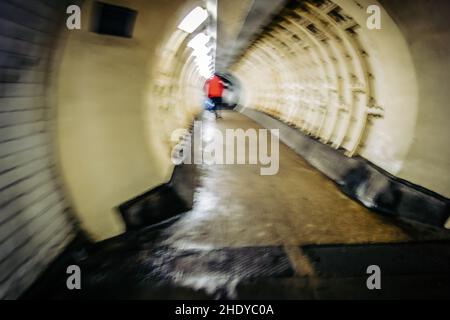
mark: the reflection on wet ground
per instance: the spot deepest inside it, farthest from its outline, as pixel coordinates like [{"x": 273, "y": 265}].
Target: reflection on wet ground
[
  {"x": 236, "y": 206},
  {"x": 253, "y": 236}
]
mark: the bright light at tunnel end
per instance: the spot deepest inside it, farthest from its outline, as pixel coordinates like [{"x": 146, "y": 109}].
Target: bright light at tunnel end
[{"x": 193, "y": 20}]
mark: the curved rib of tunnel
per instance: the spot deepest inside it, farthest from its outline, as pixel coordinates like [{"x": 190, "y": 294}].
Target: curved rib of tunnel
[{"x": 89, "y": 119}]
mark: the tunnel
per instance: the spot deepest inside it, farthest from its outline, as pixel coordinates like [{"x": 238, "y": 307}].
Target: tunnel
[{"x": 328, "y": 157}]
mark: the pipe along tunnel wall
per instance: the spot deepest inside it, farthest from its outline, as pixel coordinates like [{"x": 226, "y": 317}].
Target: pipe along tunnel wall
[{"x": 86, "y": 119}]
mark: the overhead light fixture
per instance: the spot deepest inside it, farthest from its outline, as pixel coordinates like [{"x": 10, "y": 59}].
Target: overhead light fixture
[
  {"x": 202, "y": 54},
  {"x": 193, "y": 20},
  {"x": 199, "y": 41}
]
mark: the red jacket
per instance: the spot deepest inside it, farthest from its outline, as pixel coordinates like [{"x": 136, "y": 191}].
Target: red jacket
[{"x": 214, "y": 87}]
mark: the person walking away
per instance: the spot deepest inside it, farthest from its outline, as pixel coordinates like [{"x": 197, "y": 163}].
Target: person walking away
[{"x": 215, "y": 88}]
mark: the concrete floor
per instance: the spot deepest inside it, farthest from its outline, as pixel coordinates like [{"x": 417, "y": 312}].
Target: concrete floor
[
  {"x": 235, "y": 206},
  {"x": 250, "y": 236}
]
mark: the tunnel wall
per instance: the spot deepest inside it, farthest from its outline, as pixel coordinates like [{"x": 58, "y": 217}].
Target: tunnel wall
[
  {"x": 85, "y": 124},
  {"x": 426, "y": 27},
  {"x": 361, "y": 180},
  {"x": 356, "y": 89},
  {"x": 119, "y": 99},
  {"x": 35, "y": 219}
]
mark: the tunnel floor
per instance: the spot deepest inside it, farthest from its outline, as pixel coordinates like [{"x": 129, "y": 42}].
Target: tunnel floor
[{"x": 293, "y": 235}]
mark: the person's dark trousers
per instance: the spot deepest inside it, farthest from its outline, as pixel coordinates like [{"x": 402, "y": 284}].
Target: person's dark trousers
[{"x": 217, "y": 101}]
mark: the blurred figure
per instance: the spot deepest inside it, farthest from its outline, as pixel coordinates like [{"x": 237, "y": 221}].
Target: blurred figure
[{"x": 214, "y": 90}]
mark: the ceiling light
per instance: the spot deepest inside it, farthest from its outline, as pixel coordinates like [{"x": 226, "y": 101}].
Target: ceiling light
[
  {"x": 198, "y": 41},
  {"x": 193, "y": 20}
]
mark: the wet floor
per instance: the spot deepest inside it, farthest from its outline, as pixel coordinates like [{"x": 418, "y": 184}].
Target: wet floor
[
  {"x": 236, "y": 206},
  {"x": 251, "y": 236}
]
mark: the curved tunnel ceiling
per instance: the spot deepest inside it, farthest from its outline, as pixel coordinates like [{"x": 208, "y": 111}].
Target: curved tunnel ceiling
[{"x": 321, "y": 57}]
